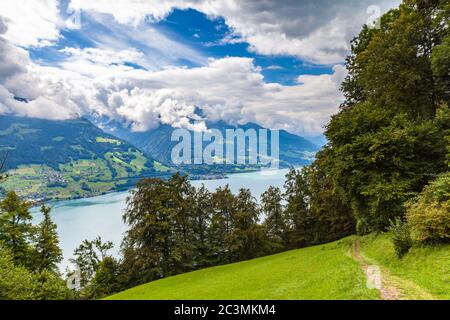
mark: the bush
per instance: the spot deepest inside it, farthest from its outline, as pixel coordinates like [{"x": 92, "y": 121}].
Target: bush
[
  {"x": 429, "y": 217},
  {"x": 401, "y": 237}
]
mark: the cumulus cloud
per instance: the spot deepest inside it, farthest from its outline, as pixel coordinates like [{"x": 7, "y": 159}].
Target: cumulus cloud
[
  {"x": 314, "y": 30},
  {"x": 230, "y": 89},
  {"x": 30, "y": 22},
  {"x": 99, "y": 81},
  {"x": 16, "y": 80}
]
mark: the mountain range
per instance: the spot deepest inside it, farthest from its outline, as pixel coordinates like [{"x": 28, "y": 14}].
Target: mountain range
[
  {"x": 294, "y": 150},
  {"x": 48, "y": 159}
]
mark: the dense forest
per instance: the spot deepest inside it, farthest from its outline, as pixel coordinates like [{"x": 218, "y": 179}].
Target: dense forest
[{"x": 386, "y": 167}]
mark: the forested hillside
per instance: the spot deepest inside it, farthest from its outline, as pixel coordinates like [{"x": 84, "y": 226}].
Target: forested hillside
[{"x": 64, "y": 159}]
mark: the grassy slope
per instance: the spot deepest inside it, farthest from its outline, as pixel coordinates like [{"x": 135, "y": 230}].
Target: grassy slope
[
  {"x": 321, "y": 272},
  {"x": 423, "y": 269}
]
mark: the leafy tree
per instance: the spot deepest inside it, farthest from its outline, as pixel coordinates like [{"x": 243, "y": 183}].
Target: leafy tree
[
  {"x": 223, "y": 206},
  {"x": 88, "y": 257},
  {"x": 332, "y": 214},
  {"x": 19, "y": 283},
  {"x": 108, "y": 279},
  {"x": 201, "y": 220},
  {"x": 16, "y": 282},
  {"x": 49, "y": 254},
  {"x": 181, "y": 211},
  {"x": 276, "y": 222},
  {"x": 379, "y": 159},
  {"x": 50, "y": 286},
  {"x": 440, "y": 61},
  {"x": 155, "y": 246},
  {"x": 16, "y": 228},
  {"x": 247, "y": 238},
  {"x": 297, "y": 197}
]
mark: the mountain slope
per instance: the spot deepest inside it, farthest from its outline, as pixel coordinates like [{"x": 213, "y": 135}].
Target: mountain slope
[
  {"x": 64, "y": 159},
  {"x": 294, "y": 150}
]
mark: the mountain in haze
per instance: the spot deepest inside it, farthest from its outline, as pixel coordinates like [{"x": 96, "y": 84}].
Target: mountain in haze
[
  {"x": 66, "y": 159},
  {"x": 294, "y": 150}
]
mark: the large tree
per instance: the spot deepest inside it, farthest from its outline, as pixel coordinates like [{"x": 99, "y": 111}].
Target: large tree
[
  {"x": 48, "y": 252},
  {"x": 276, "y": 221},
  {"x": 88, "y": 256},
  {"x": 247, "y": 238},
  {"x": 223, "y": 206},
  {"x": 388, "y": 141},
  {"x": 16, "y": 229}
]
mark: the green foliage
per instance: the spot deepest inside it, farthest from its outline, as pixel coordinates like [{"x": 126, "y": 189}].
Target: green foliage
[
  {"x": 19, "y": 283},
  {"x": 390, "y": 137},
  {"x": 16, "y": 282},
  {"x": 50, "y": 286},
  {"x": 401, "y": 237},
  {"x": 276, "y": 222},
  {"x": 88, "y": 256},
  {"x": 223, "y": 210},
  {"x": 429, "y": 216},
  {"x": 48, "y": 252},
  {"x": 15, "y": 228},
  {"x": 379, "y": 159},
  {"x": 246, "y": 239},
  {"x": 107, "y": 279},
  {"x": 317, "y": 213}
]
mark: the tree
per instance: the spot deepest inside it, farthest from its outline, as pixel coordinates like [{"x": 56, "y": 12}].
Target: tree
[
  {"x": 246, "y": 239},
  {"x": 297, "y": 208},
  {"x": 88, "y": 257},
  {"x": 389, "y": 139},
  {"x": 107, "y": 279},
  {"x": 394, "y": 69},
  {"x": 201, "y": 220},
  {"x": 159, "y": 242},
  {"x": 276, "y": 222},
  {"x": 181, "y": 211},
  {"x": 15, "y": 227},
  {"x": 223, "y": 206},
  {"x": 49, "y": 254},
  {"x": 332, "y": 214},
  {"x": 16, "y": 282}
]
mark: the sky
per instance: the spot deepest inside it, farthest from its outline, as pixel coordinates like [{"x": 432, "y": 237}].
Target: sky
[{"x": 150, "y": 62}]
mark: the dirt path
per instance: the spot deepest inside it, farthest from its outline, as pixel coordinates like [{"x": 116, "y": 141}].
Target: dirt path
[{"x": 375, "y": 277}]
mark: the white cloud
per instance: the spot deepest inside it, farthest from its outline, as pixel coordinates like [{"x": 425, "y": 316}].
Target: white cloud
[
  {"x": 31, "y": 22},
  {"x": 18, "y": 80},
  {"x": 230, "y": 89},
  {"x": 315, "y": 30}
]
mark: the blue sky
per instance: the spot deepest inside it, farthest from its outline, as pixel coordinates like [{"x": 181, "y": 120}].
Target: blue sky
[
  {"x": 190, "y": 28},
  {"x": 146, "y": 62}
]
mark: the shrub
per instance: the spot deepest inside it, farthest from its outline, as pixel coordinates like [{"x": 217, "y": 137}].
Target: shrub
[
  {"x": 401, "y": 237},
  {"x": 429, "y": 216}
]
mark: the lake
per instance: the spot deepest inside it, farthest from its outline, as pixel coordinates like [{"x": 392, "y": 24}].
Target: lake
[{"x": 88, "y": 218}]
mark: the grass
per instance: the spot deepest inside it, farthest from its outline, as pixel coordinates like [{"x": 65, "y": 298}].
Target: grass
[
  {"x": 321, "y": 272},
  {"x": 423, "y": 270},
  {"x": 107, "y": 140}
]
